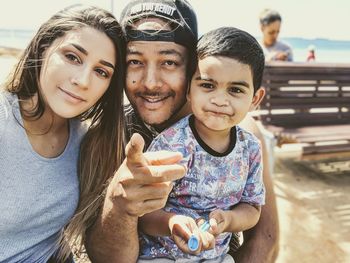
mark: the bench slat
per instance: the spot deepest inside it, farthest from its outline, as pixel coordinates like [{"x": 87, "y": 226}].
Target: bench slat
[
  {"x": 298, "y": 120},
  {"x": 298, "y": 100},
  {"x": 326, "y": 148},
  {"x": 296, "y": 93}
]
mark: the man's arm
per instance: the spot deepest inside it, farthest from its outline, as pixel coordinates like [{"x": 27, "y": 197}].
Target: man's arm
[
  {"x": 261, "y": 242},
  {"x": 113, "y": 238},
  {"x": 141, "y": 185},
  {"x": 156, "y": 223}
]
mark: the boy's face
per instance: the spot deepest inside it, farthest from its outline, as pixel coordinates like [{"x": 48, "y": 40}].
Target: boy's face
[{"x": 221, "y": 93}]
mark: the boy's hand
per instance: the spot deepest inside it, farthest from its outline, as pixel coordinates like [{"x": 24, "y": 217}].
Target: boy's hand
[
  {"x": 218, "y": 222},
  {"x": 182, "y": 227}
]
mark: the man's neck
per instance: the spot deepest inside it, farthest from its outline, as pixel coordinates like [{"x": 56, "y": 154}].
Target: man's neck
[{"x": 184, "y": 111}]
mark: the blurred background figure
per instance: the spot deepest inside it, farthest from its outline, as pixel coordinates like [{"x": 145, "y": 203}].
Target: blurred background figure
[
  {"x": 311, "y": 53},
  {"x": 270, "y": 25}
]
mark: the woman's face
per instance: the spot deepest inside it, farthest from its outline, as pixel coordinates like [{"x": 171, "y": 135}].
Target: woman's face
[
  {"x": 270, "y": 32},
  {"x": 77, "y": 70}
]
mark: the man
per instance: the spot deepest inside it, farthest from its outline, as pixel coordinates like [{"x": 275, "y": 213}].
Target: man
[
  {"x": 270, "y": 25},
  {"x": 162, "y": 37}
]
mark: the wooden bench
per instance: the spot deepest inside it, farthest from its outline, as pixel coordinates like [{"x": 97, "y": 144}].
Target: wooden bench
[{"x": 308, "y": 103}]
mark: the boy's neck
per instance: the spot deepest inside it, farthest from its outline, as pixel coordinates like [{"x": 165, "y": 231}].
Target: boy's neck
[{"x": 219, "y": 141}]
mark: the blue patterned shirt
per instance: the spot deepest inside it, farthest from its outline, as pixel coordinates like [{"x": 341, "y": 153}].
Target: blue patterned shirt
[{"x": 213, "y": 181}]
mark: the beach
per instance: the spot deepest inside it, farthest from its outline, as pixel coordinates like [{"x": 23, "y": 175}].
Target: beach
[
  {"x": 313, "y": 198},
  {"x": 8, "y": 58}
]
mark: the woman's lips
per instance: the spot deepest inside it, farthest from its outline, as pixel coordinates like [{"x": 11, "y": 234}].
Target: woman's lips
[{"x": 73, "y": 96}]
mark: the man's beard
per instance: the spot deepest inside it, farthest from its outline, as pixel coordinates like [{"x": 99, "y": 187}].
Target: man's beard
[{"x": 159, "y": 126}]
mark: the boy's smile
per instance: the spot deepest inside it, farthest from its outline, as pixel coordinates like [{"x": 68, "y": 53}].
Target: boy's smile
[{"x": 221, "y": 93}]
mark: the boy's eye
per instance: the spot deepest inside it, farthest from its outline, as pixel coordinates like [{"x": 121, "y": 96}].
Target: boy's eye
[
  {"x": 73, "y": 58},
  {"x": 207, "y": 85},
  {"x": 235, "y": 90}
]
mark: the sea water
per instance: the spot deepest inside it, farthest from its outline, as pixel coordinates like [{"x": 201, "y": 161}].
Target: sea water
[{"x": 327, "y": 51}]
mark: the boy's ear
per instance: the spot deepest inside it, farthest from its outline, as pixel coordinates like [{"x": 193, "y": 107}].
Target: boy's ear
[{"x": 258, "y": 97}]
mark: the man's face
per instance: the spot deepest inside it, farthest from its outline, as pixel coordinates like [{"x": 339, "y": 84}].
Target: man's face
[
  {"x": 270, "y": 32},
  {"x": 156, "y": 80}
]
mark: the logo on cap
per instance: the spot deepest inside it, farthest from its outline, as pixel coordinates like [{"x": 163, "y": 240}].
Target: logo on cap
[{"x": 155, "y": 7}]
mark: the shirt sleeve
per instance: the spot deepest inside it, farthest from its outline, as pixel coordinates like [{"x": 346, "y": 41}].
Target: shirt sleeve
[
  {"x": 4, "y": 114},
  {"x": 172, "y": 140},
  {"x": 254, "y": 190},
  {"x": 160, "y": 143}
]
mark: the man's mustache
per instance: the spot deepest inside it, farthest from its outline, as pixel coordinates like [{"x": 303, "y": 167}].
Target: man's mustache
[{"x": 156, "y": 94}]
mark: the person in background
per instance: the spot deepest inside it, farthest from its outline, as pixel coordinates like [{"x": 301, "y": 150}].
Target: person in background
[
  {"x": 62, "y": 79},
  {"x": 270, "y": 25},
  {"x": 311, "y": 54},
  {"x": 161, "y": 59},
  {"x": 223, "y": 184}
]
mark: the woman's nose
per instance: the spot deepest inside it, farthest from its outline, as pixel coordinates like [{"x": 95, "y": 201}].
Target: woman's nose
[{"x": 81, "y": 78}]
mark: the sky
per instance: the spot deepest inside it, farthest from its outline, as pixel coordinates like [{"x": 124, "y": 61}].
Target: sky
[{"x": 301, "y": 18}]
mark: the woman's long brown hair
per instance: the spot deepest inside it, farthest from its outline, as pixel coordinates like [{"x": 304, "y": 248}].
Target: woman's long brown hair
[{"x": 101, "y": 151}]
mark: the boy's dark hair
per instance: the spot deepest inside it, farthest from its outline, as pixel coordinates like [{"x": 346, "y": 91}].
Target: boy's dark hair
[
  {"x": 268, "y": 16},
  {"x": 236, "y": 44}
]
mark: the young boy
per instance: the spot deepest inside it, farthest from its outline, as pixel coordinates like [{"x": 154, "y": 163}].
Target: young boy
[{"x": 223, "y": 184}]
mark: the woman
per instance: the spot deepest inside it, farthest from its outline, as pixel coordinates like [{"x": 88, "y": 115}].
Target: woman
[{"x": 63, "y": 78}]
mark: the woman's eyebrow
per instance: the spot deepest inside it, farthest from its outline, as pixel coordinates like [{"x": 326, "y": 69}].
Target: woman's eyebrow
[{"x": 84, "y": 51}]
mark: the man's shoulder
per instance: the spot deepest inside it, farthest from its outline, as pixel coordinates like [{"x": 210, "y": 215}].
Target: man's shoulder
[
  {"x": 131, "y": 117},
  {"x": 134, "y": 124},
  {"x": 129, "y": 112}
]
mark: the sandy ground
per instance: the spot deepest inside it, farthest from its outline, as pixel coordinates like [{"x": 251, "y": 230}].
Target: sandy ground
[{"x": 313, "y": 198}]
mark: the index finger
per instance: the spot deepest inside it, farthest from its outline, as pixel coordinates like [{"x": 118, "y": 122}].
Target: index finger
[
  {"x": 134, "y": 150},
  {"x": 163, "y": 157}
]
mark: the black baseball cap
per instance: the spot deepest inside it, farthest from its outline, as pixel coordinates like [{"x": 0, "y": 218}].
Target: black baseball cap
[{"x": 178, "y": 12}]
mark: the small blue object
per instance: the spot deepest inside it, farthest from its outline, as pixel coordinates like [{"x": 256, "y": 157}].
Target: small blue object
[
  {"x": 193, "y": 242},
  {"x": 204, "y": 227}
]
